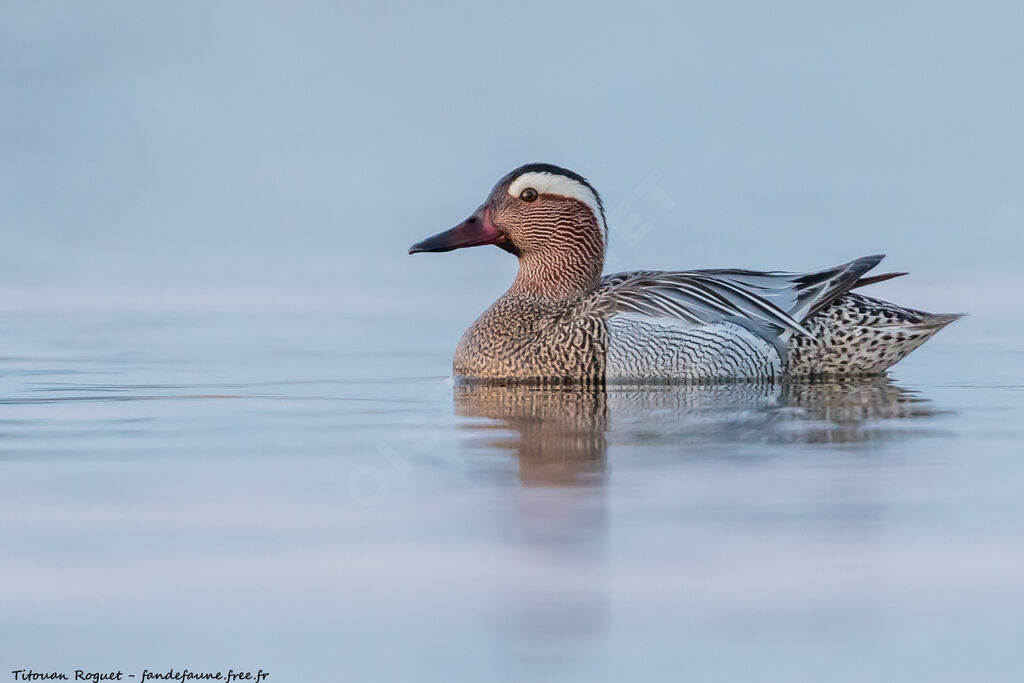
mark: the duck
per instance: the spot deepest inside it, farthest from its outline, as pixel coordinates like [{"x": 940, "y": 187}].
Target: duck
[{"x": 563, "y": 321}]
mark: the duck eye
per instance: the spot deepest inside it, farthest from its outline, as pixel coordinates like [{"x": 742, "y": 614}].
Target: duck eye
[{"x": 528, "y": 195}]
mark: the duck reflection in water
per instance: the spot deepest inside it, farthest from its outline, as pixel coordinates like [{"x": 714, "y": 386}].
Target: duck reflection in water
[{"x": 563, "y": 431}]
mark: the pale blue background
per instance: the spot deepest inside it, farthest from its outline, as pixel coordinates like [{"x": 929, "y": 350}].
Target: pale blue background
[{"x": 304, "y": 146}]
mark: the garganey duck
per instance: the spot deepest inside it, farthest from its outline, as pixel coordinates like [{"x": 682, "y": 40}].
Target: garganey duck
[{"x": 561, "y": 321}]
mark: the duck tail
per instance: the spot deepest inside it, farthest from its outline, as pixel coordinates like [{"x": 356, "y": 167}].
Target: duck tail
[{"x": 858, "y": 335}]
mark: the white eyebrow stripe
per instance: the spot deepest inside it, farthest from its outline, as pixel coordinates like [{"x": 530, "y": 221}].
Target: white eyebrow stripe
[{"x": 552, "y": 183}]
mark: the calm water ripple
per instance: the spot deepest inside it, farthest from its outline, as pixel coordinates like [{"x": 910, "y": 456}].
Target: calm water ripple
[{"x": 213, "y": 479}]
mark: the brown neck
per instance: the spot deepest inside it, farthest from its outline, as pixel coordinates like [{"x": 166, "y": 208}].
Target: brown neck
[{"x": 560, "y": 272}]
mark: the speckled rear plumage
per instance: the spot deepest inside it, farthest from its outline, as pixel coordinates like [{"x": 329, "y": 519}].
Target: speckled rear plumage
[{"x": 858, "y": 335}]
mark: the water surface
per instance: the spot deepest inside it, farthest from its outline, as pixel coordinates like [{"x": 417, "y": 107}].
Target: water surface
[{"x": 308, "y": 493}]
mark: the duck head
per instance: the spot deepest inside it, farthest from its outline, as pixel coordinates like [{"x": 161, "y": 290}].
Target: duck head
[{"x": 551, "y": 218}]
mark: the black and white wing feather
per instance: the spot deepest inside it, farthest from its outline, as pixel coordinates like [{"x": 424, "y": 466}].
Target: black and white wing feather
[{"x": 776, "y": 301}]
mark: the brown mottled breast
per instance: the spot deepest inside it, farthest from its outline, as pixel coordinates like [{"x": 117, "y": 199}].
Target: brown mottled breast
[{"x": 523, "y": 337}]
